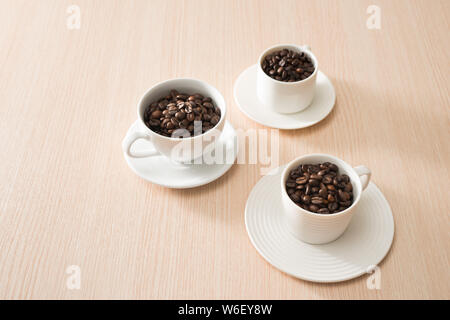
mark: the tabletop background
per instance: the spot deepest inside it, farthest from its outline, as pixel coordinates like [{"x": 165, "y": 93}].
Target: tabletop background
[{"x": 67, "y": 98}]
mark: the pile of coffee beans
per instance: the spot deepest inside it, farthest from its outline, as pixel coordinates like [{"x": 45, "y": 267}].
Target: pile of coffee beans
[
  {"x": 287, "y": 65},
  {"x": 320, "y": 188},
  {"x": 181, "y": 111}
]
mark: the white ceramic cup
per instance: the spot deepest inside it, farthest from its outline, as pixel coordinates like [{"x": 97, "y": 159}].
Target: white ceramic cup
[
  {"x": 286, "y": 97},
  {"x": 322, "y": 228},
  {"x": 170, "y": 146}
]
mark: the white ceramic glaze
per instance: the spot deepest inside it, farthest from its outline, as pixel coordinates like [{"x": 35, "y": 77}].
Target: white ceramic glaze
[
  {"x": 162, "y": 171},
  {"x": 322, "y": 228},
  {"x": 177, "y": 149},
  {"x": 363, "y": 245},
  {"x": 286, "y": 97},
  {"x": 247, "y": 101}
]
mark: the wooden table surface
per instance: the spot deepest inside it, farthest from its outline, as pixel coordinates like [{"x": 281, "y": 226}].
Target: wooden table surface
[{"x": 67, "y": 97}]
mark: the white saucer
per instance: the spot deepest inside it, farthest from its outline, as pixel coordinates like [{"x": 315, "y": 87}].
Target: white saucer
[
  {"x": 247, "y": 101},
  {"x": 363, "y": 245},
  {"x": 162, "y": 171}
]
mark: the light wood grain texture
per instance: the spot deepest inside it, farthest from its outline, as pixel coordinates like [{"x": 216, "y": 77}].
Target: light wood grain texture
[{"x": 67, "y": 98}]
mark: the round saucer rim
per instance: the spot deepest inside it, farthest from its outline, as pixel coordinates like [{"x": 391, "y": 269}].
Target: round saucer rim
[
  {"x": 282, "y": 127},
  {"x": 171, "y": 186},
  {"x": 282, "y": 269}
]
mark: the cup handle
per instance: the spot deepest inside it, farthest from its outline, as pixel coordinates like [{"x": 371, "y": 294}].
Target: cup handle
[
  {"x": 132, "y": 138},
  {"x": 306, "y": 47},
  {"x": 364, "y": 175}
]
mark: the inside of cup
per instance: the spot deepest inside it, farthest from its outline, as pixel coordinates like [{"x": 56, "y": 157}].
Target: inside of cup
[
  {"x": 289, "y": 47},
  {"x": 186, "y": 85},
  {"x": 344, "y": 168}
]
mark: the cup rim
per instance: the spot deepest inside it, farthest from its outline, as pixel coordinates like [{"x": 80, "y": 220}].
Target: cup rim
[
  {"x": 320, "y": 216},
  {"x": 223, "y": 108},
  {"x": 284, "y": 46}
]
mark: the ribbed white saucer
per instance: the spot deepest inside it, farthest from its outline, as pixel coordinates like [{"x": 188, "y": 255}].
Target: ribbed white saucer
[{"x": 363, "y": 245}]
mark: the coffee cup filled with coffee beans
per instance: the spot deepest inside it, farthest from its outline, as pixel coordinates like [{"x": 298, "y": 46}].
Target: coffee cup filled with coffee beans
[
  {"x": 286, "y": 77},
  {"x": 320, "y": 188},
  {"x": 320, "y": 194},
  {"x": 181, "y": 118}
]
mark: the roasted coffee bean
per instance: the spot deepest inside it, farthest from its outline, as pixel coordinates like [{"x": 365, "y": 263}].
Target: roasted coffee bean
[
  {"x": 180, "y": 115},
  {"x": 190, "y": 116},
  {"x": 288, "y": 65},
  {"x": 308, "y": 189},
  {"x": 294, "y": 174},
  {"x": 164, "y": 122},
  {"x": 306, "y": 199},
  {"x": 178, "y": 111},
  {"x": 333, "y": 167},
  {"x": 154, "y": 122},
  {"x": 316, "y": 200},
  {"x": 156, "y": 114},
  {"x": 323, "y": 192},
  {"x": 345, "y": 203},
  {"x": 327, "y": 179},
  {"x": 184, "y": 124},
  {"x": 320, "y": 188},
  {"x": 188, "y": 109},
  {"x": 182, "y": 97},
  {"x": 333, "y": 206},
  {"x": 291, "y": 185},
  {"x": 301, "y": 180},
  {"x": 344, "y": 196},
  {"x": 174, "y": 121},
  {"x": 170, "y": 125},
  {"x": 295, "y": 197},
  {"x": 215, "y": 119}
]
